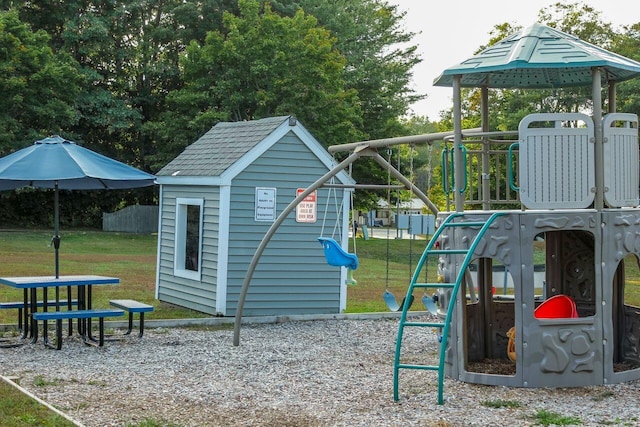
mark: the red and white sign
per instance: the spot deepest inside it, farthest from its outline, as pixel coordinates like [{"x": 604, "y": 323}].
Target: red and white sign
[{"x": 306, "y": 209}]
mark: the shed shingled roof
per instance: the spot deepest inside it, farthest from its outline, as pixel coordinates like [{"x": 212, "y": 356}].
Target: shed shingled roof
[{"x": 222, "y": 146}]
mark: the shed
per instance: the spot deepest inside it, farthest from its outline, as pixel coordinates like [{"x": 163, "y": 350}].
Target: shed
[{"x": 218, "y": 199}]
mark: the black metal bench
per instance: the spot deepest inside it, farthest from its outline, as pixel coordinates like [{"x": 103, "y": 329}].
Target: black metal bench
[
  {"x": 19, "y": 305},
  {"x": 58, "y": 316},
  {"x": 132, "y": 306}
]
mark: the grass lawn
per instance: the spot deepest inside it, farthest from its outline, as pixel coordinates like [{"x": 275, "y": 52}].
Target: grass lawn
[
  {"x": 20, "y": 410},
  {"x": 131, "y": 257}
]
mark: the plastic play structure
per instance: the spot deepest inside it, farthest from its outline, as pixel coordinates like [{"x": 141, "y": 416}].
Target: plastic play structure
[
  {"x": 575, "y": 198},
  {"x": 572, "y": 198}
]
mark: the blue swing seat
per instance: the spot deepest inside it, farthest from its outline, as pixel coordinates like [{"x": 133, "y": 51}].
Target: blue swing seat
[{"x": 336, "y": 255}]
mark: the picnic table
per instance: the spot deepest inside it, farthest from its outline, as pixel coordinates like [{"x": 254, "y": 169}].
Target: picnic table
[{"x": 31, "y": 284}]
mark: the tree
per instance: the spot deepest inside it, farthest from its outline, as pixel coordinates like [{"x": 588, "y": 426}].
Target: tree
[
  {"x": 263, "y": 65},
  {"x": 39, "y": 88},
  {"x": 379, "y": 57},
  {"x": 379, "y": 62},
  {"x": 627, "y": 43},
  {"x": 129, "y": 52},
  {"x": 507, "y": 107}
]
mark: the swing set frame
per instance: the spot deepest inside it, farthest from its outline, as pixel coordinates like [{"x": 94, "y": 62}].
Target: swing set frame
[{"x": 356, "y": 151}]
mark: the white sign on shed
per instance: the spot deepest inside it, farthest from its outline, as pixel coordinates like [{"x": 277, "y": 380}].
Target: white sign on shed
[
  {"x": 265, "y": 204},
  {"x": 307, "y": 208}
]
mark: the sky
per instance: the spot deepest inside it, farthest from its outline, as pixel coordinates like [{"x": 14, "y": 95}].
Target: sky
[{"x": 451, "y": 30}]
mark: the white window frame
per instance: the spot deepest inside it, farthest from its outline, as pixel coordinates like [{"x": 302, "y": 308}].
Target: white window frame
[{"x": 181, "y": 236}]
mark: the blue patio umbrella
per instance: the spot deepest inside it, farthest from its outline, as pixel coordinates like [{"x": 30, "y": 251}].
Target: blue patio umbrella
[{"x": 57, "y": 163}]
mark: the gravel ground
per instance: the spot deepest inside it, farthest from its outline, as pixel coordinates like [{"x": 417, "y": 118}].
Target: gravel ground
[{"x": 313, "y": 373}]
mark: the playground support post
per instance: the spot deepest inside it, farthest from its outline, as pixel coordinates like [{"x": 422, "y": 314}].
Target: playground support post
[
  {"x": 597, "y": 123},
  {"x": 458, "y": 181}
]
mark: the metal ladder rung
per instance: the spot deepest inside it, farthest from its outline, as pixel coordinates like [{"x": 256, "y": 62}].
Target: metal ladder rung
[
  {"x": 465, "y": 224},
  {"x": 449, "y": 251},
  {"x": 427, "y": 324},
  {"x": 423, "y": 367},
  {"x": 434, "y": 285}
]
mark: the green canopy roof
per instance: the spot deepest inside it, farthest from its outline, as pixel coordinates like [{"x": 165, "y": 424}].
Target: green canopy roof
[{"x": 539, "y": 57}]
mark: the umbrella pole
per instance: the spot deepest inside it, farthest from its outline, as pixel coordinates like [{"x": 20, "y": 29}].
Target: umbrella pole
[{"x": 56, "y": 222}]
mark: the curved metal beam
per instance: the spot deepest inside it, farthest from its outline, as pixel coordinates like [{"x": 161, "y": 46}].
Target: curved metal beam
[
  {"x": 426, "y": 138},
  {"x": 408, "y": 184}
]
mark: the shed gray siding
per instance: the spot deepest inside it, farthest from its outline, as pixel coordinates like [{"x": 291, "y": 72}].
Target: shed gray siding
[
  {"x": 292, "y": 276},
  {"x": 197, "y": 295}
]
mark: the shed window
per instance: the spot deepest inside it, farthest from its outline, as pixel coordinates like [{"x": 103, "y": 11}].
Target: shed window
[{"x": 188, "y": 244}]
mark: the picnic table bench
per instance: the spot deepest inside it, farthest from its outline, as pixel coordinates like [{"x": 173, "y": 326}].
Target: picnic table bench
[
  {"x": 132, "y": 306},
  {"x": 19, "y": 305},
  {"x": 58, "y": 316}
]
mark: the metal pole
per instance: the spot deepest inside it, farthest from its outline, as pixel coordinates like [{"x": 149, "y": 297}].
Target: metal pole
[
  {"x": 274, "y": 227},
  {"x": 56, "y": 227},
  {"x": 366, "y": 186},
  {"x": 485, "y": 184},
  {"x": 427, "y": 138},
  {"x": 485, "y": 270},
  {"x": 597, "y": 123},
  {"x": 408, "y": 184},
  {"x": 612, "y": 96},
  {"x": 458, "y": 164}
]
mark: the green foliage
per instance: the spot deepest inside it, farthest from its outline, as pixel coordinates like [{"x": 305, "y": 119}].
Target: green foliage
[
  {"x": 29, "y": 207},
  {"x": 379, "y": 61},
  {"x": 20, "y": 410},
  {"x": 262, "y": 65},
  {"x": 138, "y": 80},
  {"x": 549, "y": 418},
  {"x": 379, "y": 57},
  {"x": 39, "y": 87},
  {"x": 41, "y": 381},
  {"x": 627, "y": 43},
  {"x": 500, "y": 403}
]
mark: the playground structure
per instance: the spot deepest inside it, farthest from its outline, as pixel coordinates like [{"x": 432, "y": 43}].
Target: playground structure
[{"x": 575, "y": 202}]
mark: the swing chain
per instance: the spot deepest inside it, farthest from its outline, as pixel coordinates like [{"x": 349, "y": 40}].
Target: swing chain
[{"x": 389, "y": 152}]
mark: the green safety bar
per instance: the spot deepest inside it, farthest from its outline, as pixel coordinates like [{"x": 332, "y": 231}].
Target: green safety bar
[
  {"x": 510, "y": 177},
  {"x": 445, "y": 170}
]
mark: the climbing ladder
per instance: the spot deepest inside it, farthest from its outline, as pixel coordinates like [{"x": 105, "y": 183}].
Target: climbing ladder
[{"x": 453, "y": 220}]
